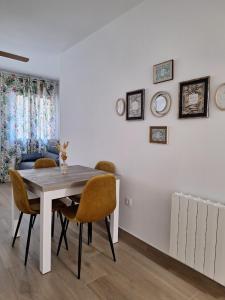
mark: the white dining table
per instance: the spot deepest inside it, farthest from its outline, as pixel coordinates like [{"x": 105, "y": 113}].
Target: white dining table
[{"x": 50, "y": 184}]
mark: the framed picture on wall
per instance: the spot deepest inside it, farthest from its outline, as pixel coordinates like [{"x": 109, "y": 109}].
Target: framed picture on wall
[
  {"x": 163, "y": 71},
  {"x": 194, "y": 98},
  {"x": 135, "y": 105},
  {"x": 158, "y": 134}
]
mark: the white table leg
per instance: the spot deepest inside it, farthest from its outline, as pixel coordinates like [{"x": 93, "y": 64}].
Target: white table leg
[
  {"x": 14, "y": 216},
  {"x": 45, "y": 232},
  {"x": 114, "y": 220}
]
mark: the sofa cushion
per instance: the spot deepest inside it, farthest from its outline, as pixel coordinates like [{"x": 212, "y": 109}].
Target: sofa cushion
[
  {"x": 52, "y": 156},
  {"x": 52, "y": 146},
  {"x": 31, "y": 156},
  {"x": 26, "y": 165}
]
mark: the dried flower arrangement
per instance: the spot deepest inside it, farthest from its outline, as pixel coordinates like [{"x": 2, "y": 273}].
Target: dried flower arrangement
[{"x": 63, "y": 150}]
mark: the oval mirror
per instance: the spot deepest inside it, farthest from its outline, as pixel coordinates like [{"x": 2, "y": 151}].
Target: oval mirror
[
  {"x": 160, "y": 104},
  {"x": 220, "y": 97},
  {"x": 120, "y": 106}
]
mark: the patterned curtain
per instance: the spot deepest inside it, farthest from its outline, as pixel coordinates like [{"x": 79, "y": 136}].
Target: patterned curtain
[{"x": 28, "y": 117}]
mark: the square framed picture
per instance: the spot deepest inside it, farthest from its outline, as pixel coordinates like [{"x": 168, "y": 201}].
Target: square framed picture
[
  {"x": 158, "y": 134},
  {"x": 163, "y": 71},
  {"x": 194, "y": 98},
  {"x": 135, "y": 102}
]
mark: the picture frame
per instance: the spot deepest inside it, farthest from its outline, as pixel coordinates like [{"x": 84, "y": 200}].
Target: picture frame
[
  {"x": 158, "y": 134},
  {"x": 135, "y": 101},
  {"x": 194, "y": 98},
  {"x": 163, "y": 71},
  {"x": 220, "y": 97}
]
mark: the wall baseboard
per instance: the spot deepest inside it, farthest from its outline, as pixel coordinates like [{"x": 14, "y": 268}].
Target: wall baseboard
[
  {"x": 186, "y": 273},
  {"x": 167, "y": 262}
]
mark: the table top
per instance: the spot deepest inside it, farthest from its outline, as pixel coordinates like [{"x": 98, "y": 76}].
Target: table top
[{"x": 50, "y": 179}]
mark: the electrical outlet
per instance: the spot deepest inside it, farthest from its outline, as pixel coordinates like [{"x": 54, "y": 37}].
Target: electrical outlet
[{"x": 128, "y": 201}]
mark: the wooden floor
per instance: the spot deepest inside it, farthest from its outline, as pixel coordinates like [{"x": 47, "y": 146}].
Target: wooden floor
[{"x": 135, "y": 275}]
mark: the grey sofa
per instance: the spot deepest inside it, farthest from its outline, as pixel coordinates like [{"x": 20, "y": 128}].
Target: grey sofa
[{"x": 28, "y": 160}]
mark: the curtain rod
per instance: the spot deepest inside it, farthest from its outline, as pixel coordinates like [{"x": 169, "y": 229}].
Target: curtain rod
[{"x": 32, "y": 77}]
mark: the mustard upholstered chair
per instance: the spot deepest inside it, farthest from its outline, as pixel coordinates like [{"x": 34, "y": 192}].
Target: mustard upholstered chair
[
  {"x": 44, "y": 163},
  {"x": 97, "y": 202},
  {"x": 106, "y": 166},
  {"x": 47, "y": 163},
  {"x": 30, "y": 207},
  {"x": 103, "y": 165}
]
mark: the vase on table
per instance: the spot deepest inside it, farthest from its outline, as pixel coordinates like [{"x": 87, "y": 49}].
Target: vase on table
[
  {"x": 64, "y": 167},
  {"x": 63, "y": 150}
]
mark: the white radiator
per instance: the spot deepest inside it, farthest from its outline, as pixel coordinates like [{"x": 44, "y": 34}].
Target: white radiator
[{"x": 197, "y": 235}]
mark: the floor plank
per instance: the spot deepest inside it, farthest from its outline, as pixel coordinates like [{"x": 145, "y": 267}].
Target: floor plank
[{"x": 135, "y": 275}]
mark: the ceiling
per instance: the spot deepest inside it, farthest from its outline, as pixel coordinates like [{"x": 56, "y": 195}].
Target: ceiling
[{"x": 42, "y": 29}]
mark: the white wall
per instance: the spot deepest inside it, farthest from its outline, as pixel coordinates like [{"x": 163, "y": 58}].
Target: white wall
[
  {"x": 118, "y": 59},
  {"x": 40, "y": 64}
]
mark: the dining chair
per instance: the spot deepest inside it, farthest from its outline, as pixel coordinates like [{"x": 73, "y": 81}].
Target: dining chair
[
  {"x": 106, "y": 166},
  {"x": 29, "y": 207},
  {"x": 102, "y": 165},
  {"x": 97, "y": 202},
  {"x": 46, "y": 163}
]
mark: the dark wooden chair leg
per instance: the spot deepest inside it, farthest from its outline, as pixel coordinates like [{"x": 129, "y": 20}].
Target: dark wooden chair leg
[
  {"x": 80, "y": 250},
  {"x": 28, "y": 239},
  {"x": 17, "y": 229},
  {"x": 67, "y": 224},
  {"x": 110, "y": 238},
  {"x": 65, "y": 238},
  {"x": 53, "y": 223},
  {"x": 61, "y": 236},
  {"x": 34, "y": 220},
  {"x": 89, "y": 233}
]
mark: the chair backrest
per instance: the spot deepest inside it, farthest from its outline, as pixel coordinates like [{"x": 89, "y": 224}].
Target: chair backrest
[
  {"x": 98, "y": 199},
  {"x": 45, "y": 163},
  {"x": 19, "y": 192},
  {"x": 106, "y": 166}
]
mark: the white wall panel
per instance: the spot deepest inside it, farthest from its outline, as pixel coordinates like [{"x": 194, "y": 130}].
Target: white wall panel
[
  {"x": 220, "y": 248},
  {"x": 200, "y": 236},
  {"x": 182, "y": 231},
  {"x": 175, "y": 203},
  {"x": 210, "y": 246},
  {"x": 191, "y": 232}
]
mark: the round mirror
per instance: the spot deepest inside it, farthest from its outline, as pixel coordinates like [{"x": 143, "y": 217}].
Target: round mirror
[
  {"x": 120, "y": 106},
  {"x": 160, "y": 104}
]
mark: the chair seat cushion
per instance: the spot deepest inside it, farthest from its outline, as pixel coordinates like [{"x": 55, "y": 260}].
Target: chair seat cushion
[
  {"x": 57, "y": 204},
  {"x": 70, "y": 212},
  {"x": 75, "y": 198},
  {"x": 35, "y": 204}
]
